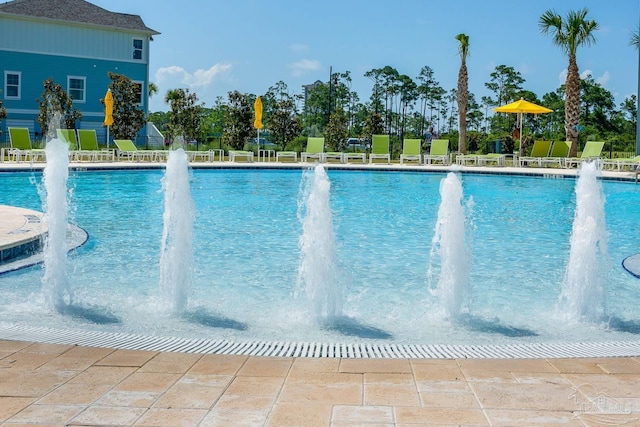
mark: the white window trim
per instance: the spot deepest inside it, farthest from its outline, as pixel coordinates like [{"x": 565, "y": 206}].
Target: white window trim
[
  {"x": 84, "y": 89},
  {"x": 141, "y": 83},
  {"x": 4, "y": 93},
  {"x": 134, "y": 49}
]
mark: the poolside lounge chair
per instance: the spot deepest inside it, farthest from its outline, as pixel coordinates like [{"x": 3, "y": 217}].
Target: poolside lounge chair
[
  {"x": 21, "y": 147},
  {"x": 485, "y": 159},
  {"x": 592, "y": 151},
  {"x": 439, "y": 151},
  {"x": 287, "y": 155},
  {"x": 463, "y": 159},
  {"x": 632, "y": 162},
  {"x": 356, "y": 155},
  {"x": 380, "y": 148},
  {"x": 88, "y": 147},
  {"x": 559, "y": 152},
  {"x": 411, "y": 151},
  {"x": 336, "y": 155},
  {"x": 126, "y": 148},
  {"x": 315, "y": 149},
  {"x": 71, "y": 139},
  {"x": 539, "y": 150},
  {"x": 234, "y": 154}
]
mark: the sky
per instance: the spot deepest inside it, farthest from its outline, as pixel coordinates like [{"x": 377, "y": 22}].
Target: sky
[{"x": 214, "y": 47}]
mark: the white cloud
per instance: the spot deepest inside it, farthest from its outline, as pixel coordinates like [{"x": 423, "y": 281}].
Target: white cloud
[
  {"x": 562, "y": 77},
  {"x": 304, "y": 66},
  {"x": 298, "y": 47},
  {"x": 585, "y": 74},
  {"x": 604, "y": 78},
  {"x": 200, "y": 78},
  {"x": 176, "y": 77}
]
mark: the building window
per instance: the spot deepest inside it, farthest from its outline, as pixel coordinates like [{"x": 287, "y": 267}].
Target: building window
[
  {"x": 76, "y": 88},
  {"x": 12, "y": 84},
  {"x": 138, "y": 91},
  {"x": 137, "y": 49}
]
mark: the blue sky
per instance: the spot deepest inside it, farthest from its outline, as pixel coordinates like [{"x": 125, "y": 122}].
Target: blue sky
[{"x": 215, "y": 47}]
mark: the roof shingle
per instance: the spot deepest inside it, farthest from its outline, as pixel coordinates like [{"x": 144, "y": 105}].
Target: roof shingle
[{"x": 75, "y": 11}]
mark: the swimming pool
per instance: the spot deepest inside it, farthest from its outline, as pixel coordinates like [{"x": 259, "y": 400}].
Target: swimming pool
[{"x": 245, "y": 244}]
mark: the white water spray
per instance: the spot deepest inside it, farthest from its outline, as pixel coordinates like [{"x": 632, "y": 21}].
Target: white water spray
[
  {"x": 55, "y": 283},
  {"x": 583, "y": 297},
  {"x": 449, "y": 245},
  {"x": 176, "y": 254},
  {"x": 318, "y": 270}
]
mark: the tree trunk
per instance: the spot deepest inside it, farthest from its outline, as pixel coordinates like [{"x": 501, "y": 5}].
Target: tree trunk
[
  {"x": 572, "y": 105},
  {"x": 463, "y": 96}
]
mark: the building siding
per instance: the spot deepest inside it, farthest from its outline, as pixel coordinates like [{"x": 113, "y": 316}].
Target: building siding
[
  {"x": 24, "y": 35},
  {"x": 40, "y": 49}
]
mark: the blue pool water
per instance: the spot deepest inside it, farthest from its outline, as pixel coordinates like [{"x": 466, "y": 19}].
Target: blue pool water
[{"x": 245, "y": 251}]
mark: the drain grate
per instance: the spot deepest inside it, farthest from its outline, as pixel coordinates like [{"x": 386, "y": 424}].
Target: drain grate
[{"x": 320, "y": 350}]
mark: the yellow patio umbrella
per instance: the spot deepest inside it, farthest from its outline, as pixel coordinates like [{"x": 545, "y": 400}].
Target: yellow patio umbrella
[
  {"x": 108, "y": 112},
  {"x": 521, "y": 107},
  {"x": 257, "y": 107}
]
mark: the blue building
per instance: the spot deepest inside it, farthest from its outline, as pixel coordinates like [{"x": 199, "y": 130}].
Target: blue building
[{"x": 76, "y": 43}]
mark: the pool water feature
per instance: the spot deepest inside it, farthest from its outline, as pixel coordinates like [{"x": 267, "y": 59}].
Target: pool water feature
[
  {"x": 583, "y": 289},
  {"x": 318, "y": 275},
  {"x": 450, "y": 247},
  {"x": 246, "y": 233},
  {"x": 176, "y": 242},
  {"x": 55, "y": 281}
]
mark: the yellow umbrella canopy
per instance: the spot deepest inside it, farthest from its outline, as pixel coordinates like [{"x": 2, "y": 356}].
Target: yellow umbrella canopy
[
  {"x": 108, "y": 108},
  {"x": 257, "y": 106},
  {"x": 521, "y": 107}
]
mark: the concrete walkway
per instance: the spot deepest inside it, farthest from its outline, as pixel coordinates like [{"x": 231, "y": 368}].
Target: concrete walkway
[{"x": 60, "y": 385}]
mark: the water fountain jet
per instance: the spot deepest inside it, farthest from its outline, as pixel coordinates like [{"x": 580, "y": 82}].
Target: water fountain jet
[
  {"x": 176, "y": 245},
  {"x": 583, "y": 297},
  {"x": 318, "y": 268},
  {"x": 449, "y": 246},
  {"x": 55, "y": 282}
]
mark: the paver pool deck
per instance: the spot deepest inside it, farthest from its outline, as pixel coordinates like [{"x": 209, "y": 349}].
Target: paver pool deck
[{"x": 71, "y": 385}]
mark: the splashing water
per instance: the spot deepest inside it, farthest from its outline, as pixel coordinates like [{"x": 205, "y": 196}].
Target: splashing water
[
  {"x": 55, "y": 282},
  {"x": 583, "y": 297},
  {"x": 318, "y": 270},
  {"x": 176, "y": 254},
  {"x": 449, "y": 245}
]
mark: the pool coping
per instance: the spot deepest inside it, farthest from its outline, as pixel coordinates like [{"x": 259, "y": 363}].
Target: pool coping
[{"x": 393, "y": 167}]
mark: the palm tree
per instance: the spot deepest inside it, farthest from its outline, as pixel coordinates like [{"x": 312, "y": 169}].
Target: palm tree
[
  {"x": 576, "y": 30},
  {"x": 463, "y": 91},
  {"x": 635, "y": 39}
]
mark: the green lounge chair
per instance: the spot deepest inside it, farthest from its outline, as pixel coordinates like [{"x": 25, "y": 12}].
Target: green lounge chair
[
  {"x": 592, "y": 151},
  {"x": 233, "y": 154},
  {"x": 287, "y": 155},
  {"x": 21, "y": 147},
  {"x": 126, "y": 148},
  {"x": 88, "y": 147},
  {"x": 632, "y": 162},
  {"x": 68, "y": 136},
  {"x": 411, "y": 151},
  {"x": 485, "y": 159},
  {"x": 439, "y": 151},
  {"x": 380, "y": 148},
  {"x": 559, "y": 152},
  {"x": 315, "y": 149},
  {"x": 540, "y": 149},
  {"x": 463, "y": 159}
]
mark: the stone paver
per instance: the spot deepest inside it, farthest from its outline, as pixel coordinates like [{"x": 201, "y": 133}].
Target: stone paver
[{"x": 71, "y": 385}]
